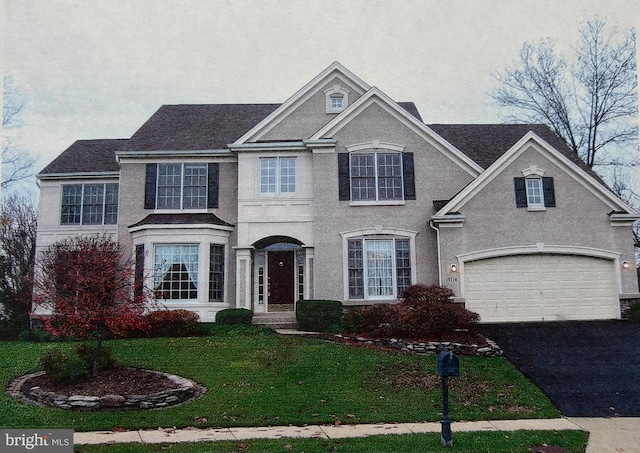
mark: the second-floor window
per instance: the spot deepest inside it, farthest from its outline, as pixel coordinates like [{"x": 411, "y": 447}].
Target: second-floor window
[
  {"x": 278, "y": 175},
  {"x": 376, "y": 177},
  {"x": 182, "y": 186},
  {"x": 535, "y": 193},
  {"x": 89, "y": 204}
]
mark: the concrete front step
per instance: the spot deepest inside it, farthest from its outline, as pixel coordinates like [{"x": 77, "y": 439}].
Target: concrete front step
[{"x": 277, "y": 320}]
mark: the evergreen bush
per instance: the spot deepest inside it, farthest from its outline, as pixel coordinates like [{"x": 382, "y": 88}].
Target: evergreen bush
[
  {"x": 319, "y": 315},
  {"x": 633, "y": 314},
  {"x": 234, "y": 316},
  {"x": 64, "y": 369}
]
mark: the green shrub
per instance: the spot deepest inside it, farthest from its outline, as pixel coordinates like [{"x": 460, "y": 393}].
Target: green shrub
[
  {"x": 36, "y": 335},
  {"x": 63, "y": 369},
  {"x": 319, "y": 315},
  {"x": 233, "y": 316},
  {"x": 633, "y": 314},
  {"x": 174, "y": 323},
  {"x": 11, "y": 328},
  {"x": 106, "y": 361},
  {"x": 353, "y": 320}
]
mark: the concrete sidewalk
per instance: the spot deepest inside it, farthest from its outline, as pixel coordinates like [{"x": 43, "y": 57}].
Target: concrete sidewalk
[
  {"x": 611, "y": 435},
  {"x": 606, "y": 435},
  {"x": 344, "y": 431}
]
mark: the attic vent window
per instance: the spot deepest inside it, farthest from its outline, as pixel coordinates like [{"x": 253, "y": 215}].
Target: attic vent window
[
  {"x": 337, "y": 99},
  {"x": 336, "y": 102}
]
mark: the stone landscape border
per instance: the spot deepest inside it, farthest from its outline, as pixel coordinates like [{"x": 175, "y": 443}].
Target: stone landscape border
[
  {"x": 489, "y": 349},
  {"x": 186, "y": 391}
]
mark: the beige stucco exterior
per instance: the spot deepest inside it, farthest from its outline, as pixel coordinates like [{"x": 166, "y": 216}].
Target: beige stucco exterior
[{"x": 479, "y": 220}]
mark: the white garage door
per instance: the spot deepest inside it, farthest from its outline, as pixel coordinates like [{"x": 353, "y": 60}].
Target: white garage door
[{"x": 541, "y": 288}]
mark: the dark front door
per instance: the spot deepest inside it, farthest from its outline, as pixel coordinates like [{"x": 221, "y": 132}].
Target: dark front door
[{"x": 281, "y": 278}]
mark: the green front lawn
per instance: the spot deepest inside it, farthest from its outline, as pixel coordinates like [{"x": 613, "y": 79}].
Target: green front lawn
[{"x": 256, "y": 378}]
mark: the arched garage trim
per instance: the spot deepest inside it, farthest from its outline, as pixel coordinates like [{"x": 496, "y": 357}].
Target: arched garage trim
[{"x": 537, "y": 248}]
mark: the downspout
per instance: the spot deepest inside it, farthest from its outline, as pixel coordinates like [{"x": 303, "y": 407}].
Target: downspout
[{"x": 437, "y": 230}]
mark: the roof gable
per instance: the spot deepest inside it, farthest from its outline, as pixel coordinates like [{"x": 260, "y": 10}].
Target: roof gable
[
  {"x": 375, "y": 96},
  {"x": 335, "y": 70},
  {"x": 562, "y": 160}
]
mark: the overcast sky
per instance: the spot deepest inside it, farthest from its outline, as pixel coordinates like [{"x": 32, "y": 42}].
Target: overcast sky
[{"x": 99, "y": 68}]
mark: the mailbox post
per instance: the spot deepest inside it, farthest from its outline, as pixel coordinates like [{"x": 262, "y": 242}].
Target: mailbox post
[{"x": 447, "y": 365}]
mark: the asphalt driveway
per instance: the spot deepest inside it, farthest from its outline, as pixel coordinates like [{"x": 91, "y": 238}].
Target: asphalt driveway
[{"x": 587, "y": 368}]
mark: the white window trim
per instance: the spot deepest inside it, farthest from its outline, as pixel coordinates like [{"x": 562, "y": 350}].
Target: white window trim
[
  {"x": 203, "y": 236},
  {"x": 377, "y": 201},
  {"x": 82, "y": 205},
  {"x": 335, "y": 91},
  {"x": 181, "y": 208},
  {"x": 278, "y": 192},
  {"x": 377, "y": 232},
  {"x": 535, "y": 206}
]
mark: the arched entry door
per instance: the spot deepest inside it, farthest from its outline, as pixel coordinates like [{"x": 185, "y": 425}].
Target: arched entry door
[{"x": 279, "y": 274}]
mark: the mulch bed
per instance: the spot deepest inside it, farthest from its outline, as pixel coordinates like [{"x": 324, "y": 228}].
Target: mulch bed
[{"x": 121, "y": 381}]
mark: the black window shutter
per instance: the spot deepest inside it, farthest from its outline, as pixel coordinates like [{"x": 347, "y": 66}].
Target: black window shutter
[
  {"x": 549, "y": 193},
  {"x": 150, "y": 186},
  {"x": 139, "y": 271},
  {"x": 213, "y": 188},
  {"x": 521, "y": 192},
  {"x": 344, "y": 179},
  {"x": 408, "y": 176}
]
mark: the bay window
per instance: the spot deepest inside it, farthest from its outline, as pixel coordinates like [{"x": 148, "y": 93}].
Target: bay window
[{"x": 175, "y": 271}]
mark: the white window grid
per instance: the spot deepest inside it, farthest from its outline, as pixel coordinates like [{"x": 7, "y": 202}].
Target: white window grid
[
  {"x": 175, "y": 271},
  {"x": 535, "y": 197},
  {"x": 278, "y": 175},
  {"x": 378, "y": 268},
  {"x": 89, "y": 204},
  {"x": 376, "y": 176},
  {"x": 182, "y": 186}
]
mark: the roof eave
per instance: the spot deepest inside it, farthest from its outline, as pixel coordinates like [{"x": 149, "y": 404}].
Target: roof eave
[
  {"x": 170, "y": 153},
  {"x": 78, "y": 175}
]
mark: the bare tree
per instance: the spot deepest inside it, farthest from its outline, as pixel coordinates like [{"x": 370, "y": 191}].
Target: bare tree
[
  {"x": 17, "y": 254},
  {"x": 17, "y": 164},
  {"x": 592, "y": 103}
]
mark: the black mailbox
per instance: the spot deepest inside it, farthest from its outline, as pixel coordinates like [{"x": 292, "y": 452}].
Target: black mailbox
[{"x": 447, "y": 364}]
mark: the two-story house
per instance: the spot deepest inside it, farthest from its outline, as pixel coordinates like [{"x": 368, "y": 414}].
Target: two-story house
[{"x": 343, "y": 193}]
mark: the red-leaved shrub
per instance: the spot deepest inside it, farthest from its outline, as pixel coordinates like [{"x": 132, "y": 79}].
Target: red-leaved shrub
[
  {"x": 174, "y": 323},
  {"x": 428, "y": 310},
  {"x": 424, "y": 311}
]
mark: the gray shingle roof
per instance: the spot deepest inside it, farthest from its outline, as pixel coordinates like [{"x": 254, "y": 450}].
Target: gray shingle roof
[
  {"x": 411, "y": 108},
  {"x": 182, "y": 219},
  {"x": 214, "y": 126},
  {"x": 87, "y": 156},
  {"x": 485, "y": 143},
  {"x": 191, "y": 126}
]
